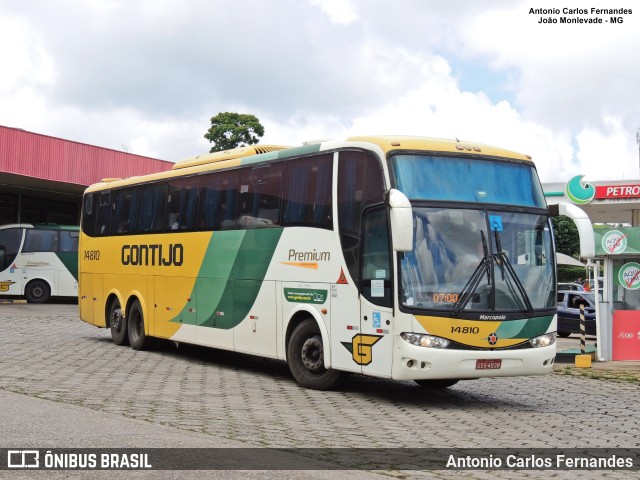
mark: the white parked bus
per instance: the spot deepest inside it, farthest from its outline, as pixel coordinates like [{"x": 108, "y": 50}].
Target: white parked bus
[
  {"x": 399, "y": 257},
  {"x": 38, "y": 261}
]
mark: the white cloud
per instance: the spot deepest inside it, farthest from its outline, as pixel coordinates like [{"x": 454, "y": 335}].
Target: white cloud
[
  {"x": 609, "y": 153},
  {"x": 339, "y": 11},
  {"x": 147, "y": 75}
]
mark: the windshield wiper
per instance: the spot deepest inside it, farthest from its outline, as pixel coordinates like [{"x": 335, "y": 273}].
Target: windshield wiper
[
  {"x": 476, "y": 277},
  {"x": 503, "y": 262}
]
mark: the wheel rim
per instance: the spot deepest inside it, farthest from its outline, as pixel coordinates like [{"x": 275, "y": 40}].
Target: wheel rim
[
  {"x": 312, "y": 354},
  {"x": 37, "y": 291}
]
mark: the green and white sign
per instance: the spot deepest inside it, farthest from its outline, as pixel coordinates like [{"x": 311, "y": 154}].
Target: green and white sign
[
  {"x": 614, "y": 242},
  {"x": 305, "y": 295},
  {"x": 629, "y": 276}
]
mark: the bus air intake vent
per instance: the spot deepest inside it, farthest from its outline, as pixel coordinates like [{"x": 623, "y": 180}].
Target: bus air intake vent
[{"x": 232, "y": 154}]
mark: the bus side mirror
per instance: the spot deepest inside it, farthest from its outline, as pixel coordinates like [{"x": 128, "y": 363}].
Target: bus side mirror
[{"x": 401, "y": 221}]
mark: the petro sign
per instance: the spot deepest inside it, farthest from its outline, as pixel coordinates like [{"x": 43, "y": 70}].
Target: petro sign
[
  {"x": 581, "y": 193},
  {"x": 618, "y": 191}
]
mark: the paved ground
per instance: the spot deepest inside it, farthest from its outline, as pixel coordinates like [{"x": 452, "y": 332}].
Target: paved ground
[{"x": 63, "y": 383}]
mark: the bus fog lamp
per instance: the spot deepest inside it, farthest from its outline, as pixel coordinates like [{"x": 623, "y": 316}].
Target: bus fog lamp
[
  {"x": 543, "y": 340},
  {"x": 427, "y": 341}
]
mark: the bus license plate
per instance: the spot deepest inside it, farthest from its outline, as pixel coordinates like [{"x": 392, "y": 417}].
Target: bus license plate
[{"x": 488, "y": 364}]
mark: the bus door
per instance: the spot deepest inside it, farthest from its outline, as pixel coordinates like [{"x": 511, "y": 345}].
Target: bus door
[
  {"x": 375, "y": 344},
  {"x": 11, "y": 281},
  {"x": 361, "y": 321}
]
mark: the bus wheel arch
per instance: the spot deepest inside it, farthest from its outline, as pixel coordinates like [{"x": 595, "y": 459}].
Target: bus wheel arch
[
  {"x": 37, "y": 290},
  {"x": 305, "y": 354}
]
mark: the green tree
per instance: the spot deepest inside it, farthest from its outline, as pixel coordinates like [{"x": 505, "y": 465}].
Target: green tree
[
  {"x": 230, "y": 130},
  {"x": 566, "y": 234}
]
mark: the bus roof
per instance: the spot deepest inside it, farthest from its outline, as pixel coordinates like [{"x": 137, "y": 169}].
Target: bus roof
[{"x": 265, "y": 153}]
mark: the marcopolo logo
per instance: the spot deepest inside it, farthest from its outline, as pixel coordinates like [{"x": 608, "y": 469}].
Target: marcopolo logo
[
  {"x": 614, "y": 242},
  {"x": 629, "y": 276},
  {"x": 578, "y": 192}
]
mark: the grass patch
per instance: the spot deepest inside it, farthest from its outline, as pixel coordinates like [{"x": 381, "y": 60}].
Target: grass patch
[{"x": 612, "y": 375}]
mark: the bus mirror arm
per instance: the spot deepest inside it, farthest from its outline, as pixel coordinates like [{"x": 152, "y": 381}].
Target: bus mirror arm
[{"x": 401, "y": 221}]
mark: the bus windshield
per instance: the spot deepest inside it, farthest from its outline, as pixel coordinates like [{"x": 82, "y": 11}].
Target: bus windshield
[
  {"x": 478, "y": 260},
  {"x": 429, "y": 177}
]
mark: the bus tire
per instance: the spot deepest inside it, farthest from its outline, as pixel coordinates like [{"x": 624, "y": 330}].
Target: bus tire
[
  {"x": 305, "y": 356},
  {"x": 118, "y": 324},
  {"x": 135, "y": 327},
  {"x": 436, "y": 384},
  {"x": 37, "y": 291}
]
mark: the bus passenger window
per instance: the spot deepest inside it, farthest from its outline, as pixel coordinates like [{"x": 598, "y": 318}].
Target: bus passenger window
[
  {"x": 152, "y": 206},
  {"x": 307, "y": 192},
  {"x": 40, "y": 241},
  {"x": 260, "y": 195},
  {"x": 68, "y": 241},
  {"x": 104, "y": 214},
  {"x": 124, "y": 211},
  {"x": 182, "y": 205},
  {"x": 218, "y": 198}
]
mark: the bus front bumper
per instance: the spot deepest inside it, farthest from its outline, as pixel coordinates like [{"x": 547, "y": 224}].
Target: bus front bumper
[{"x": 418, "y": 363}]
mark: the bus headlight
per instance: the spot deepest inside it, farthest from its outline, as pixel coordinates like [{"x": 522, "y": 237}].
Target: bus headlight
[
  {"x": 427, "y": 341},
  {"x": 543, "y": 340}
]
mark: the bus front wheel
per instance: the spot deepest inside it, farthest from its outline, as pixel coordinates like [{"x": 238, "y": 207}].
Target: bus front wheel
[
  {"x": 305, "y": 355},
  {"x": 118, "y": 324},
  {"x": 37, "y": 291},
  {"x": 135, "y": 326}
]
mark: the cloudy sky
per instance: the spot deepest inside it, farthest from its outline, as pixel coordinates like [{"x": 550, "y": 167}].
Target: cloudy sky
[{"x": 146, "y": 76}]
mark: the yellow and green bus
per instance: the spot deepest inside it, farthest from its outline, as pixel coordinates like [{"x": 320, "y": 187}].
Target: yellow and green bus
[
  {"x": 406, "y": 258},
  {"x": 39, "y": 261}
]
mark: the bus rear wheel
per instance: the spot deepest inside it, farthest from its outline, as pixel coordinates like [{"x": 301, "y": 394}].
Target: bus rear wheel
[
  {"x": 37, "y": 291},
  {"x": 118, "y": 324},
  {"x": 135, "y": 327},
  {"x": 305, "y": 355}
]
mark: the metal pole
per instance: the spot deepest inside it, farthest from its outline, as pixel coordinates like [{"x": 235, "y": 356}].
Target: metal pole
[
  {"x": 583, "y": 343},
  {"x": 638, "y": 142},
  {"x": 596, "y": 293}
]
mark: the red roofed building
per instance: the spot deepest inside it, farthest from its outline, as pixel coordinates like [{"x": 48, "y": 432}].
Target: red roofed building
[{"x": 42, "y": 178}]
